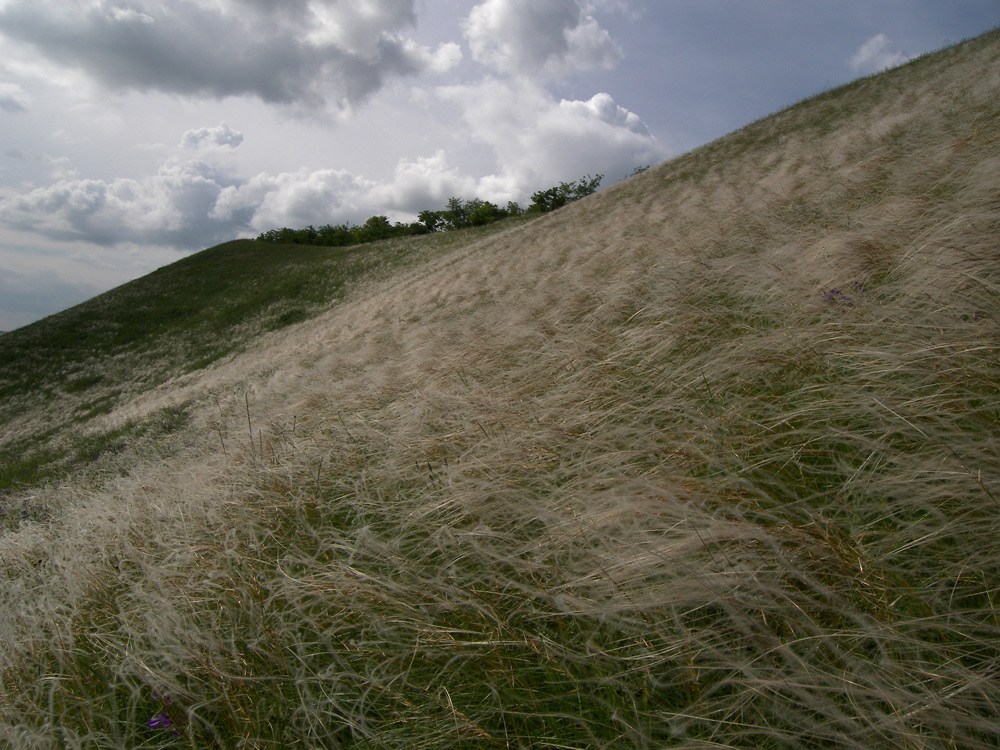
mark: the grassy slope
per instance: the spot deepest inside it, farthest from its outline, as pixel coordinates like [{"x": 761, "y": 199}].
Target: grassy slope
[
  {"x": 630, "y": 475},
  {"x": 86, "y": 361}
]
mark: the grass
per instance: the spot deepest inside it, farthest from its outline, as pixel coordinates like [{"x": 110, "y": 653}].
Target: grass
[
  {"x": 628, "y": 475},
  {"x": 180, "y": 319},
  {"x": 196, "y": 310}
]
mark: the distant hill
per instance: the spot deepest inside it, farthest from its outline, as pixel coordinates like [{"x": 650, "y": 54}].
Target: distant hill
[
  {"x": 60, "y": 373},
  {"x": 708, "y": 459}
]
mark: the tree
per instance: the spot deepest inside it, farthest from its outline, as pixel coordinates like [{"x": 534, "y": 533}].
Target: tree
[
  {"x": 334, "y": 235},
  {"x": 454, "y": 215},
  {"x": 563, "y": 193},
  {"x": 459, "y": 214},
  {"x": 432, "y": 221},
  {"x": 375, "y": 228},
  {"x": 479, "y": 212},
  {"x": 585, "y": 186}
]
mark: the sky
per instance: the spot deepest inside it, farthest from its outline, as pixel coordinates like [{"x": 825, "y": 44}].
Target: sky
[{"x": 134, "y": 132}]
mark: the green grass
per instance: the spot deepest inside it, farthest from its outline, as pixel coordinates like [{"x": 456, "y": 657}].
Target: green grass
[
  {"x": 193, "y": 311},
  {"x": 45, "y": 457}
]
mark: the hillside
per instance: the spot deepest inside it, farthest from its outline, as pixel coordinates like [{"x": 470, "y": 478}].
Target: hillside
[
  {"x": 61, "y": 375},
  {"x": 708, "y": 459}
]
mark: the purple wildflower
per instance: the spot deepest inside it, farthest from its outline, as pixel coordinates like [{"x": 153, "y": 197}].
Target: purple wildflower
[
  {"x": 836, "y": 296},
  {"x": 160, "y": 721}
]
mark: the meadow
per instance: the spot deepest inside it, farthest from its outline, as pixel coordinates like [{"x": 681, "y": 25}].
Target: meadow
[{"x": 710, "y": 458}]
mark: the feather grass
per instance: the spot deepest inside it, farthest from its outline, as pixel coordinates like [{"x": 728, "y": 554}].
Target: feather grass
[{"x": 709, "y": 459}]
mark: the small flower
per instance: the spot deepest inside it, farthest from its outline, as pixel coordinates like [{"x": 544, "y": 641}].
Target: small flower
[
  {"x": 160, "y": 721},
  {"x": 835, "y": 296}
]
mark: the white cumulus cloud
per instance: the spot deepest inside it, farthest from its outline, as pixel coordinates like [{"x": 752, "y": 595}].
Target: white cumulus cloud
[
  {"x": 538, "y": 37},
  {"x": 602, "y": 107},
  {"x": 538, "y": 140},
  {"x": 421, "y": 183},
  {"x": 295, "y": 199},
  {"x": 531, "y": 141},
  {"x": 337, "y": 196},
  {"x": 221, "y": 136},
  {"x": 171, "y": 207}
]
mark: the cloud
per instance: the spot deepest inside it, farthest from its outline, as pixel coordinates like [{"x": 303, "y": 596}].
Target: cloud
[
  {"x": 192, "y": 204},
  {"x": 294, "y": 199},
  {"x": 422, "y": 183},
  {"x": 325, "y": 196},
  {"x": 171, "y": 207},
  {"x": 441, "y": 60},
  {"x": 59, "y": 167},
  {"x": 602, "y": 108},
  {"x": 875, "y": 55},
  {"x": 307, "y": 53},
  {"x": 538, "y": 37},
  {"x": 196, "y": 200},
  {"x": 13, "y": 98},
  {"x": 537, "y": 140},
  {"x": 221, "y": 136}
]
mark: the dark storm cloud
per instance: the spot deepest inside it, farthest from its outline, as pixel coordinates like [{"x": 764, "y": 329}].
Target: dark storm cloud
[{"x": 304, "y": 53}]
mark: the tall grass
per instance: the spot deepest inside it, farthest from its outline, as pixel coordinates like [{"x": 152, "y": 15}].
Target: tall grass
[
  {"x": 63, "y": 375},
  {"x": 709, "y": 459}
]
